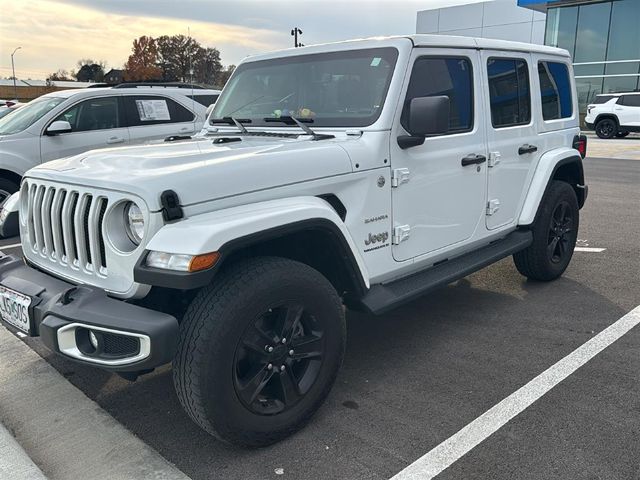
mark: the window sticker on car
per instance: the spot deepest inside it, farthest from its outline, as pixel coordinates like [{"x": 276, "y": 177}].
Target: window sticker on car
[
  {"x": 150, "y": 110},
  {"x": 376, "y": 61}
]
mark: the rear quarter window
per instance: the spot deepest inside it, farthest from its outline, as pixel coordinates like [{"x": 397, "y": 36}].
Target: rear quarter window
[
  {"x": 555, "y": 90},
  {"x": 153, "y": 110}
]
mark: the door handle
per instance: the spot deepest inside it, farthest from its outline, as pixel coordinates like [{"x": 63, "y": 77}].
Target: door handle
[
  {"x": 473, "y": 159},
  {"x": 115, "y": 140},
  {"x": 186, "y": 129},
  {"x": 526, "y": 148}
]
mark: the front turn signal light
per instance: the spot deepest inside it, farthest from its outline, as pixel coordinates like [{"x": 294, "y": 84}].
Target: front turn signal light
[{"x": 204, "y": 261}]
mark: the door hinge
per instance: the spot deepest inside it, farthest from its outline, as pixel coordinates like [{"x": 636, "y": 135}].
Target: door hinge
[
  {"x": 493, "y": 206},
  {"x": 399, "y": 176},
  {"x": 494, "y": 159},
  {"x": 400, "y": 234}
]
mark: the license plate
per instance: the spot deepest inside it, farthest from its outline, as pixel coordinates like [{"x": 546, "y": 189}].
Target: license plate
[{"x": 14, "y": 308}]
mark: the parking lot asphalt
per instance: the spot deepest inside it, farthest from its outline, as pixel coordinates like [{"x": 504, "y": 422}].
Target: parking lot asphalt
[{"x": 414, "y": 377}]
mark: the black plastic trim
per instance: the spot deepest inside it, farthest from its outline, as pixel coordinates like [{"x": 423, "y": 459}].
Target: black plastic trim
[
  {"x": 186, "y": 281},
  {"x": 383, "y": 297},
  {"x": 56, "y": 303}
]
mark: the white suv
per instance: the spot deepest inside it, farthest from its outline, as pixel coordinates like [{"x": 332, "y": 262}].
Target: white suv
[
  {"x": 359, "y": 174},
  {"x": 69, "y": 122},
  {"x": 614, "y": 114}
]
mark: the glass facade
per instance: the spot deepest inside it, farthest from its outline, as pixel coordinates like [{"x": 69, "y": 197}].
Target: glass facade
[{"x": 604, "y": 40}]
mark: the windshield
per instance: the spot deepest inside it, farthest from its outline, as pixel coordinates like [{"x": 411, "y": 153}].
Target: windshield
[
  {"x": 27, "y": 115},
  {"x": 341, "y": 89}
]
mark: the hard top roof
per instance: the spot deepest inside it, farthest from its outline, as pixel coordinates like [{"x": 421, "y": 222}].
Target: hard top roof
[{"x": 418, "y": 40}]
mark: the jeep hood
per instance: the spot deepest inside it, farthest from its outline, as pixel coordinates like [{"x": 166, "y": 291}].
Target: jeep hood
[{"x": 199, "y": 170}]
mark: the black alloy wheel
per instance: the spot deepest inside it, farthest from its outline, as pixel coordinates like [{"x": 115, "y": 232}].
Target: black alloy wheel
[
  {"x": 560, "y": 233},
  {"x": 606, "y": 128},
  {"x": 278, "y": 359}
]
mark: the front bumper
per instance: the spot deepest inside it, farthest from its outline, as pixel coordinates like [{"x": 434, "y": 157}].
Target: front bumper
[{"x": 60, "y": 312}]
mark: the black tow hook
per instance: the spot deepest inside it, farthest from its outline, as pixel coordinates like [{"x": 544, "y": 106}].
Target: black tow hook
[{"x": 66, "y": 298}]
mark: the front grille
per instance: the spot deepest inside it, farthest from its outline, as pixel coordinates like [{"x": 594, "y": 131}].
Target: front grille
[{"x": 65, "y": 225}]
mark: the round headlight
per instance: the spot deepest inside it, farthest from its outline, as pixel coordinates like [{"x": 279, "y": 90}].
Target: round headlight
[{"x": 134, "y": 222}]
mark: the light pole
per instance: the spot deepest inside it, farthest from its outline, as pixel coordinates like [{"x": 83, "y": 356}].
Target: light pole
[
  {"x": 294, "y": 33},
  {"x": 15, "y": 88}
]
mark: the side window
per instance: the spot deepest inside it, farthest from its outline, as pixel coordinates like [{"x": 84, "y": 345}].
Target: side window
[
  {"x": 630, "y": 100},
  {"x": 153, "y": 110},
  {"x": 205, "y": 100},
  {"x": 509, "y": 92},
  {"x": 450, "y": 76},
  {"x": 555, "y": 90},
  {"x": 94, "y": 114}
]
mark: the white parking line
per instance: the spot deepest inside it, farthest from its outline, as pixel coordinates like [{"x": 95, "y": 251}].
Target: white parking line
[
  {"x": 458, "y": 445},
  {"x": 13, "y": 245},
  {"x": 589, "y": 249}
]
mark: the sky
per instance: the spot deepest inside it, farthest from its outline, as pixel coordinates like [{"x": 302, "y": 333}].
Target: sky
[{"x": 55, "y": 34}]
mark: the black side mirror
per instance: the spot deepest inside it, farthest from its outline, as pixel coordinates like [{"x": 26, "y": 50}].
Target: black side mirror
[{"x": 427, "y": 116}]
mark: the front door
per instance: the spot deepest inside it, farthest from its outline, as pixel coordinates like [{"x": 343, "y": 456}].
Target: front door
[
  {"x": 95, "y": 123},
  {"x": 440, "y": 197},
  {"x": 512, "y": 135}
]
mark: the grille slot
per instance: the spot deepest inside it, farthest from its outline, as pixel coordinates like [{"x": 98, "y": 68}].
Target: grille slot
[{"x": 66, "y": 227}]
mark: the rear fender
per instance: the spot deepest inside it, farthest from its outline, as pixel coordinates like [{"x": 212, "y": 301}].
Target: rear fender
[{"x": 546, "y": 170}]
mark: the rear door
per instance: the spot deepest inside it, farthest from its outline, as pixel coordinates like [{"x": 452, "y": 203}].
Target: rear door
[
  {"x": 95, "y": 123},
  {"x": 511, "y": 133},
  {"x": 628, "y": 110},
  {"x": 153, "y": 117}
]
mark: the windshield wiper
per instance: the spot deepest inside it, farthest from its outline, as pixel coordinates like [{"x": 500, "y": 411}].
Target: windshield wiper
[
  {"x": 300, "y": 122},
  {"x": 232, "y": 121}
]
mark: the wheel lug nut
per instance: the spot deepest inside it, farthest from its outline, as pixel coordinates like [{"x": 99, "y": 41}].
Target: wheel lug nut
[
  {"x": 282, "y": 368},
  {"x": 269, "y": 367},
  {"x": 291, "y": 352},
  {"x": 268, "y": 348},
  {"x": 284, "y": 340}
]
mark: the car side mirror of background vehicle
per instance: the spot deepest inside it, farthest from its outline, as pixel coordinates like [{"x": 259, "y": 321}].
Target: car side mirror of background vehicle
[
  {"x": 209, "y": 110},
  {"x": 427, "y": 116},
  {"x": 57, "y": 127}
]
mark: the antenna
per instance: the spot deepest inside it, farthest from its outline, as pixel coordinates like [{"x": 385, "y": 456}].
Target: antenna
[{"x": 193, "y": 97}]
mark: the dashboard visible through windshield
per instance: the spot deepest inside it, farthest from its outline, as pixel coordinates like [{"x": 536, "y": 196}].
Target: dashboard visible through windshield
[{"x": 341, "y": 89}]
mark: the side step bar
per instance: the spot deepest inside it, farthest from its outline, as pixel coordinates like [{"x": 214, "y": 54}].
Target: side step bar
[{"x": 383, "y": 297}]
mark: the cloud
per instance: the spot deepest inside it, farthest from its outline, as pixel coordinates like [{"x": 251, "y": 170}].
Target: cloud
[{"x": 55, "y": 35}]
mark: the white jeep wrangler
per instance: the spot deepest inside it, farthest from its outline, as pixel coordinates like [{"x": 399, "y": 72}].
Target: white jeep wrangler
[{"x": 359, "y": 174}]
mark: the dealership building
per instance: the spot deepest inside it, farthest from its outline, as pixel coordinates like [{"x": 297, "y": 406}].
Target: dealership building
[{"x": 603, "y": 37}]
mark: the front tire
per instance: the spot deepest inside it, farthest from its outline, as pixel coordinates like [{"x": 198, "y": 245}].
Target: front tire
[
  {"x": 7, "y": 187},
  {"x": 606, "y": 128},
  {"x": 259, "y": 350},
  {"x": 555, "y": 232}
]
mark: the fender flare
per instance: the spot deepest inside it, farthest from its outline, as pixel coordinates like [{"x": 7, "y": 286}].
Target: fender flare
[
  {"x": 228, "y": 230},
  {"x": 612, "y": 116},
  {"x": 545, "y": 171}
]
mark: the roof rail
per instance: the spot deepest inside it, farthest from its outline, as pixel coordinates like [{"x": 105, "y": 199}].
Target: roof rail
[
  {"x": 98, "y": 85},
  {"x": 159, "y": 84}
]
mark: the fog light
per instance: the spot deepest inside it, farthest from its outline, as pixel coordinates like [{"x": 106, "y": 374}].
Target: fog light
[{"x": 93, "y": 339}]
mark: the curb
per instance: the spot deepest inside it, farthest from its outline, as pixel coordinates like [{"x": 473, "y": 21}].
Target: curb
[
  {"x": 66, "y": 434},
  {"x": 14, "y": 461}
]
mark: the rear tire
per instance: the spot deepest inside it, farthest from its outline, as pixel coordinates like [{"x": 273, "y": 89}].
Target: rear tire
[
  {"x": 236, "y": 373},
  {"x": 555, "y": 232},
  {"x": 606, "y": 128}
]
